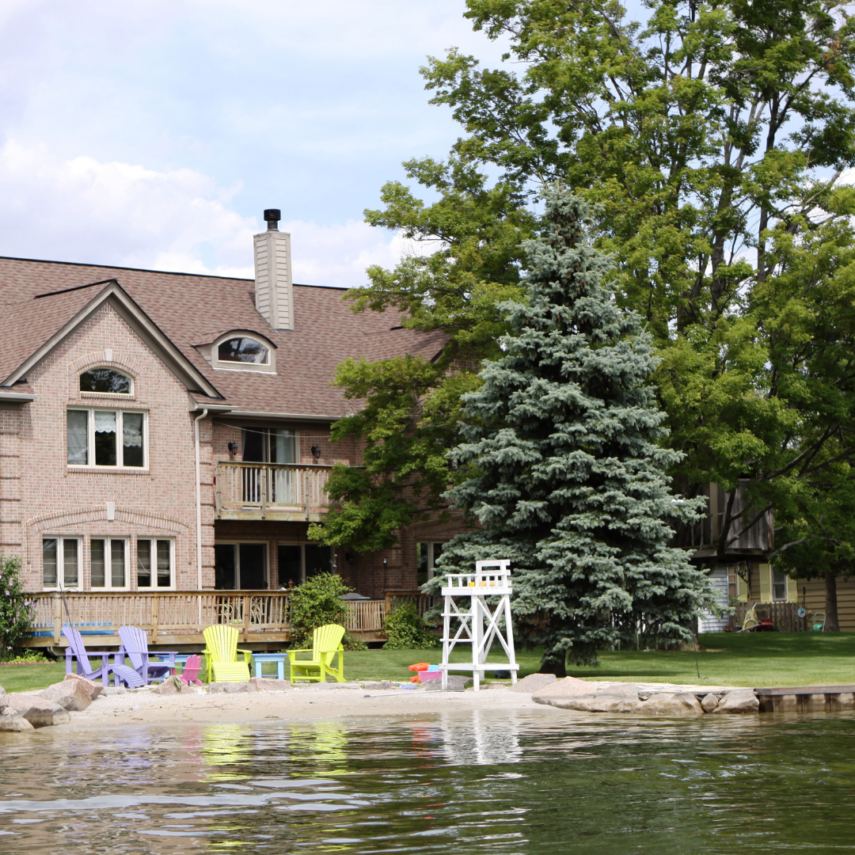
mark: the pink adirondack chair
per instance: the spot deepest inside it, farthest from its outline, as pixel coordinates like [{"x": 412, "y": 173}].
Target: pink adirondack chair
[{"x": 189, "y": 676}]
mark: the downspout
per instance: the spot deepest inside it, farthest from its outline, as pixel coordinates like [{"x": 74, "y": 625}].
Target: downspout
[{"x": 199, "y": 511}]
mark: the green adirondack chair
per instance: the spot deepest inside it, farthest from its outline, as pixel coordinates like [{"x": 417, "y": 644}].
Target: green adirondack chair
[
  {"x": 326, "y": 645},
  {"x": 221, "y": 655}
]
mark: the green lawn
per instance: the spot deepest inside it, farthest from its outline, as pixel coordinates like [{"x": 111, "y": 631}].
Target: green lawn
[{"x": 734, "y": 659}]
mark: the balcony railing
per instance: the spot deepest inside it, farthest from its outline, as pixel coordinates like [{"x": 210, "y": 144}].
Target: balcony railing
[
  {"x": 178, "y": 617},
  {"x": 260, "y": 488}
]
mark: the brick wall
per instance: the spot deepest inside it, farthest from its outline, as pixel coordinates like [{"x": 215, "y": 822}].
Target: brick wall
[{"x": 56, "y": 499}]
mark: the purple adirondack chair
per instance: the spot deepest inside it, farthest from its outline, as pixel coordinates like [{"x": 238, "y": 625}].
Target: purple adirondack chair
[
  {"x": 77, "y": 650},
  {"x": 135, "y": 647},
  {"x": 191, "y": 670}
]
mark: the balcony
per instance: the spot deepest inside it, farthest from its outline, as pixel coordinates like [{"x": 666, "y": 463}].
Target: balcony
[{"x": 271, "y": 491}]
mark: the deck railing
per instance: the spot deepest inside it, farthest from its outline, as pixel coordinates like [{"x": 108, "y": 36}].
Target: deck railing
[
  {"x": 181, "y": 613},
  {"x": 422, "y": 602},
  {"x": 275, "y": 486}
]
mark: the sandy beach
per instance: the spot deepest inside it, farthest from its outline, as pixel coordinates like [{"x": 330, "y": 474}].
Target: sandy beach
[{"x": 304, "y": 703}]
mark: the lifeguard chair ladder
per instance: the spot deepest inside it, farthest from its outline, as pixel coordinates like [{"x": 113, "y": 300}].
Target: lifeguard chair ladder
[{"x": 466, "y": 598}]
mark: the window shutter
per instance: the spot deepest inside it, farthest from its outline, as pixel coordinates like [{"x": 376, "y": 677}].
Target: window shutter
[
  {"x": 792, "y": 590},
  {"x": 741, "y": 589},
  {"x": 765, "y": 583}
]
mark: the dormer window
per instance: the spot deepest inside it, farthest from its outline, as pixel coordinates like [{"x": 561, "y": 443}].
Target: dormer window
[
  {"x": 243, "y": 349},
  {"x": 106, "y": 381}
]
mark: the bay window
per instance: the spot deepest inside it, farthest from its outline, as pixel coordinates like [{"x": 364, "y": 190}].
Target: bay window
[{"x": 110, "y": 438}]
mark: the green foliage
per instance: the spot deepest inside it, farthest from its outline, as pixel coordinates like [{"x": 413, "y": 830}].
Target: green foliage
[
  {"x": 708, "y": 138},
  {"x": 16, "y": 610},
  {"x": 411, "y": 404},
  {"x": 28, "y": 657},
  {"x": 406, "y": 629},
  {"x": 565, "y": 471},
  {"x": 317, "y": 602}
]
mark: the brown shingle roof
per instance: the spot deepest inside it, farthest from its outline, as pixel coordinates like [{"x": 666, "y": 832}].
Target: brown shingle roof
[{"x": 192, "y": 309}]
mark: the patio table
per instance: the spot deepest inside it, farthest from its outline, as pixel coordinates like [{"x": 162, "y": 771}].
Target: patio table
[{"x": 259, "y": 659}]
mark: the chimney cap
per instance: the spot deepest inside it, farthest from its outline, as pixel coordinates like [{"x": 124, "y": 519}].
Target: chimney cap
[{"x": 272, "y": 217}]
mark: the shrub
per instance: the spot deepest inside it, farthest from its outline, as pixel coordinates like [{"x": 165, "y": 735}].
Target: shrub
[
  {"x": 16, "y": 611},
  {"x": 405, "y": 629},
  {"x": 315, "y": 603}
]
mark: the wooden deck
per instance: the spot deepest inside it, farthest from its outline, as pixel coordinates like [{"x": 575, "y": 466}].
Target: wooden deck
[
  {"x": 177, "y": 618},
  {"x": 806, "y": 698}
]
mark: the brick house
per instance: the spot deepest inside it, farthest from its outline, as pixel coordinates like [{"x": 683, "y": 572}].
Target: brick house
[{"x": 167, "y": 432}]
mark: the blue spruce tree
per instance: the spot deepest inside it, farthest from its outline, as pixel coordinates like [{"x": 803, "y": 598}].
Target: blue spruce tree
[{"x": 567, "y": 476}]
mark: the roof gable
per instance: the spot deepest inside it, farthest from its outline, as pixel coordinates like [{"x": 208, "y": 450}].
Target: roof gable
[
  {"x": 189, "y": 309},
  {"x": 53, "y": 307}
]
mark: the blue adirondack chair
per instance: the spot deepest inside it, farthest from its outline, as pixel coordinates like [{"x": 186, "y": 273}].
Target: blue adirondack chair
[
  {"x": 77, "y": 650},
  {"x": 135, "y": 647}
]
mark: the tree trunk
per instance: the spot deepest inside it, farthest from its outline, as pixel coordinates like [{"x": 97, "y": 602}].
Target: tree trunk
[
  {"x": 832, "y": 622},
  {"x": 554, "y": 664}
]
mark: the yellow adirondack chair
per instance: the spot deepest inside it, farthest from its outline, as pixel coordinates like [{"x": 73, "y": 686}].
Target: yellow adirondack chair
[
  {"x": 221, "y": 660},
  {"x": 326, "y": 644}
]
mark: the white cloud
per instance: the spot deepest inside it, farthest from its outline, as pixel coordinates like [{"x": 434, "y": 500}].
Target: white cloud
[{"x": 84, "y": 210}]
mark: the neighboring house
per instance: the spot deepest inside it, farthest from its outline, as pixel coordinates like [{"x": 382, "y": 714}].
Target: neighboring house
[
  {"x": 170, "y": 432},
  {"x": 742, "y": 569}
]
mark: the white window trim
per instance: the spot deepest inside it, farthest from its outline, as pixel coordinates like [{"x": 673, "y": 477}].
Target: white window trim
[
  {"x": 108, "y": 570},
  {"x": 60, "y": 562},
  {"x": 238, "y": 543},
  {"x": 119, "y": 433},
  {"x": 268, "y": 367},
  {"x": 153, "y": 541},
  {"x": 772, "y": 584},
  {"x": 121, "y": 396}
]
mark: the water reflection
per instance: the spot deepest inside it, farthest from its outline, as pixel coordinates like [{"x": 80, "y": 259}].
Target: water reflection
[{"x": 475, "y": 782}]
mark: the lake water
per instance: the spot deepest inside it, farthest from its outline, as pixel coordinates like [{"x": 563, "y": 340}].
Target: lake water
[{"x": 459, "y": 783}]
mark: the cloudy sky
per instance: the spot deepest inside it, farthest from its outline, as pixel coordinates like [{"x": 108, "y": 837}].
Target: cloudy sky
[{"x": 152, "y": 133}]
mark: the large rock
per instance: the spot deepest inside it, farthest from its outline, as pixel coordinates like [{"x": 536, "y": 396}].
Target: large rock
[
  {"x": 93, "y": 689},
  {"x": 534, "y": 683},
  {"x": 12, "y": 722},
  {"x": 2, "y": 698},
  {"x": 623, "y": 690},
  {"x": 71, "y": 695},
  {"x": 268, "y": 684},
  {"x": 173, "y": 686},
  {"x": 567, "y": 688},
  {"x": 38, "y": 711},
  {"x": 709, "y": 702},
  {"x": 739, "y": 701},
  {"x": 676, "y": 705},
  {"x": 624, "y": 703}
]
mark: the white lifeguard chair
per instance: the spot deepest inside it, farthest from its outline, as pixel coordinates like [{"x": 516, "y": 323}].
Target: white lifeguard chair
[{"x": 466, "y": 598}]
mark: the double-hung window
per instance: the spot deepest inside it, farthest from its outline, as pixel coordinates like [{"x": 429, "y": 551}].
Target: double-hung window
[
  {"x": 108, "y": 562},
  {"x": 110, "y": 438},
  {"x": 60, "y": 562},
  {"x": 155, "y": 563}
]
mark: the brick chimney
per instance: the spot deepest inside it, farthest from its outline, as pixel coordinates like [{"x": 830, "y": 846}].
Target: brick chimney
[{"x": 274, "y": 296}]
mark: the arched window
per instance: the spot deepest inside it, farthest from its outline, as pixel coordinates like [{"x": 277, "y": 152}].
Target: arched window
[
  {"x": 105, "y": 380},
  {"x": 242, "y": 349}
]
